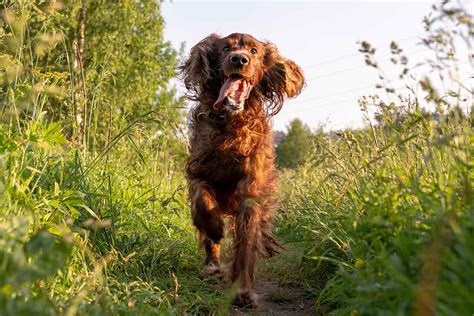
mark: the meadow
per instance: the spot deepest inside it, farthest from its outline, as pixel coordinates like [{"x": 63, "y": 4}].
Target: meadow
[{"x": 94, "y": 217}]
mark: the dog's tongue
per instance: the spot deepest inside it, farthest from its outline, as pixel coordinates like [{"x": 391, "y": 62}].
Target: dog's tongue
[{"x": 236, "y": 90}]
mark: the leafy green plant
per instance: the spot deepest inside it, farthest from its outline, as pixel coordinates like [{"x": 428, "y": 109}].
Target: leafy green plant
[{"x": 27, "y": 264}]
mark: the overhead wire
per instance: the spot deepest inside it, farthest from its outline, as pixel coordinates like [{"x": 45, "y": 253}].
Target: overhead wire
[
  {"x": 329, "y": 74},
  {"x": 342, "y": 93},
  {"x": 346, "y": 56}
]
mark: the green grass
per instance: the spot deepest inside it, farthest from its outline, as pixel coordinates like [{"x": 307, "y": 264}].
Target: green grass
[
  {"x": 364, "y": 230},
  {"x": 384, "y": 228},
  {"x": 378, "y": 221}
]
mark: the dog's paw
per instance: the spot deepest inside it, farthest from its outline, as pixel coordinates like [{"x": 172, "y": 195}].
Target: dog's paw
[
  {"x": 245, "y": 299},
  {"x": 212, "y": 269},
  {"x": 218, "y": 271}
]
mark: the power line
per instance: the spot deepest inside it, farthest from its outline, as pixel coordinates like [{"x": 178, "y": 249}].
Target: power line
[
  {"x": 329, "y": 74},
  {"x": 333, "y": 60},
  {"x": 337, "y": 93},
  {"x": 322, "y": 105},
  {"x": 344, "y": 92}
]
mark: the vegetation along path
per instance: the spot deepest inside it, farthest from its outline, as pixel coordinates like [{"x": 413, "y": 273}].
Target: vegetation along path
[{"x": 94, "y": 218}]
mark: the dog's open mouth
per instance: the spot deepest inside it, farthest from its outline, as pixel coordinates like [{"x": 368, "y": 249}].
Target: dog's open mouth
[{"x": 233, "y": 93}]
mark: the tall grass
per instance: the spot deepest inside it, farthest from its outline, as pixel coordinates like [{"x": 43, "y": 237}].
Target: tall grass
[
  {"x": 388, "y": 229},
  {"x": 94, "y": 218},
  {"x": 386, "y": 213},
  {"x": 89, "y": 222}
]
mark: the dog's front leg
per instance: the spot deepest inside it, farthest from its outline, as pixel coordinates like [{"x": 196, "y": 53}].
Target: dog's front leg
[
  {"x": 207, "y": 219},
  {"x": 247, "y": 237}
]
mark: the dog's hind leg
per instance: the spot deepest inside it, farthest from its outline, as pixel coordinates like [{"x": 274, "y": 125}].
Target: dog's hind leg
[
  {"x": 252, "y": 227},
  {"x": 270, "y": 245},
  {"x": 246, "y": 244}
]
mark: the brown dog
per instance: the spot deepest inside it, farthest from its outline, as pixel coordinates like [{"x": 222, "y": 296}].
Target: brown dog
[{"x": 239, "y": 83}]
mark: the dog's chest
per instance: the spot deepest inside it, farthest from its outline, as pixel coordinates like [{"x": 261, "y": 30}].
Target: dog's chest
[{"x": 224, "y": 155}]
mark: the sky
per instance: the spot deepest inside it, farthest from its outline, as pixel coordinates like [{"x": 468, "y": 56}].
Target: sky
[{"x": 321, "y": 37}]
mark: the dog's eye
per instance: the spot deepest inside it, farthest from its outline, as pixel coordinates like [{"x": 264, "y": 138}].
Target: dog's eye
[
  {"x": 253, "y": 51},
  {"x": 226, "y": 48}
]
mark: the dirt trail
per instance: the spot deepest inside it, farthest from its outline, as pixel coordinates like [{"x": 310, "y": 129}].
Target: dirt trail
[
  {"x": 276, "y": 300},
  {"x": 281, "y": 286}
]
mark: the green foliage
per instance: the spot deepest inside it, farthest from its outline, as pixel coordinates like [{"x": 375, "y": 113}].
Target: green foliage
[
  {"x": 128, "y": 61},
  {"x": 95, "y": 81},
  {"x": 93, "y": 209},
  {"x": 27, "y": 262},
  {"x": 384, "y": 222},
  {"x": 295, "y": 146},
  {"x": 386, "y": 212}
]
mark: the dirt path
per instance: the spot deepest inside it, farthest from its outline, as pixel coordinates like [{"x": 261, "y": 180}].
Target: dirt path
[
  {"x": 278, "y": 301},
  {"x": 275, "y": 300},
  {"x": 280, "y": 287}
]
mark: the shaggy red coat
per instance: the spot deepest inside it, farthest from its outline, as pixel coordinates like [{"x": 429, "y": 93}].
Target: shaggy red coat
[{"x": 238, "y": 84}]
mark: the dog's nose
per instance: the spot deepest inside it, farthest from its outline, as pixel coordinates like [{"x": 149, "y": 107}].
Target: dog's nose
[{"x": 239, "y": 60}]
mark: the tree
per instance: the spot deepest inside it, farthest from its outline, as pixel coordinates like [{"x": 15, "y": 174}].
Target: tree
[
  {"x": 127, "y": 56},
  {"x": 108, "y": 59},
  {"x": 295, "y": 146}
]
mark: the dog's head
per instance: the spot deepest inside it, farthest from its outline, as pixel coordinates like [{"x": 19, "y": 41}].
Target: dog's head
[{"x": 233, "y": 68}]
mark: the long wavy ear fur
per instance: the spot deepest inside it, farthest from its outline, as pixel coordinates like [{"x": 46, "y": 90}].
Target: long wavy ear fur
[
  {"x": 198, "y": 69},
  {"x": 282, "y": 79}
]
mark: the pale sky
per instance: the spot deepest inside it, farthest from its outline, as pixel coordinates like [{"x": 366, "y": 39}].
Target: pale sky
[{"x": 320, "y": 36}]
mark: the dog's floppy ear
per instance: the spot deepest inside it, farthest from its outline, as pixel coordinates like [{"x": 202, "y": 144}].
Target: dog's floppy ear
[
  {"x": 197, "y": 70},
  {"x": 282, "y": 78}
]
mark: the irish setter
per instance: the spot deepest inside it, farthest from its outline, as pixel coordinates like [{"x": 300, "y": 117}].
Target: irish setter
[{"x": 238, "y": 84}]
